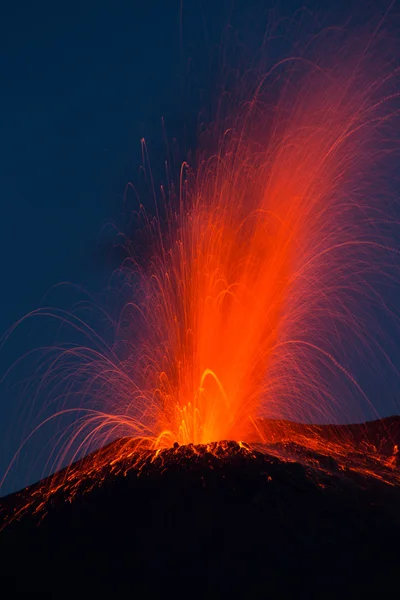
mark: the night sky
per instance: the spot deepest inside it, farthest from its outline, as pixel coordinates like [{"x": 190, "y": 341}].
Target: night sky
[{"x": 81, "y": 84}]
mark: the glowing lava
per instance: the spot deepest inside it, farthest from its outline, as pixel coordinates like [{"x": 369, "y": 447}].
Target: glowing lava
[{"x": 262, "y": 275}]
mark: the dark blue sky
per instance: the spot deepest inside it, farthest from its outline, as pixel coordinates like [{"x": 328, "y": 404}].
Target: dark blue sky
[{"x": 81, "y": 83}]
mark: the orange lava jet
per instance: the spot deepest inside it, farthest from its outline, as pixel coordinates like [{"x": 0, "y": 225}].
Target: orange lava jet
[{"x": 264, "y": 269}]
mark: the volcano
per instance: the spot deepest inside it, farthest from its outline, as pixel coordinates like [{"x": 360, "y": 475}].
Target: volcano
[{"x": 283, "y": 518}]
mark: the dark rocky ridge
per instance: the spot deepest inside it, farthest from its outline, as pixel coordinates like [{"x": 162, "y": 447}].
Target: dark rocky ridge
[{"x": 214, "y": 521}]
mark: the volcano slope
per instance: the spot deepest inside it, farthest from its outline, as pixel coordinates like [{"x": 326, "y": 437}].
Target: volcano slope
[{"x": 313, "y": 511}]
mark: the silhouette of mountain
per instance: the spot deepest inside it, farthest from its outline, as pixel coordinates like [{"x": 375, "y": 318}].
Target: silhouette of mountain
[{"x": 287, "y": 517}]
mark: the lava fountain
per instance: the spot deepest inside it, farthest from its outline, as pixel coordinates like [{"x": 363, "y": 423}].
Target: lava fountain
[
  {"x": 264, "y": 269},
  {"x": 257, "y": 280}
]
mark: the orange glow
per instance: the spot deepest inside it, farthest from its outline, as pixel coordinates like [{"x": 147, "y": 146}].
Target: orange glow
[{"x": 263, "y": 268}]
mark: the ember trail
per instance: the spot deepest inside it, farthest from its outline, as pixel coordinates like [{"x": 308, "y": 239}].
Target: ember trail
[{"x": 257, "y": 282}]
